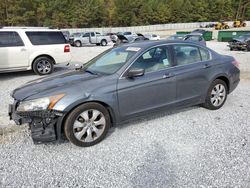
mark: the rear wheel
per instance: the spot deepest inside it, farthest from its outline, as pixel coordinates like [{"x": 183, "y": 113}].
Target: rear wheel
[
  {"x": 217, "y": 95},
  {"x": 43, "y": 66},
  {"x": 104, "y": 42},
  {"x": 87, "y": 125}
]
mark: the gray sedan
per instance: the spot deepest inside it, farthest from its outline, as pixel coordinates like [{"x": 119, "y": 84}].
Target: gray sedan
[{"x": 122, "y": 83}]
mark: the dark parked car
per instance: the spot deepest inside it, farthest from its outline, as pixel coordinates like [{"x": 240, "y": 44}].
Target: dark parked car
[
  {"x": 123, "y": 83},
  {"x": 123, "y": 39},
  {"x": 176, "y": 37},
  {"x": 240, "y": 43},
  {"x": 197, "y": 37}
]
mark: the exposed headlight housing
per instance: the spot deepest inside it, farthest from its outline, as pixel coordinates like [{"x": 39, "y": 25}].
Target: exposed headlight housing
[{"x": 39, "y": 104}]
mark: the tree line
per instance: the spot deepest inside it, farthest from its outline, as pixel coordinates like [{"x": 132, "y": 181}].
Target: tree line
[{"x": 100, "y": 13}]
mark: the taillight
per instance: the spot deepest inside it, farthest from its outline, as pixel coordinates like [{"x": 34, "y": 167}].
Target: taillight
[
  {"x": 236, "y": 63},
  {"x": 66, "y": 48}
]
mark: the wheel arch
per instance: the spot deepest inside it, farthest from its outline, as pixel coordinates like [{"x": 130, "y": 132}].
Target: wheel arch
[
  {"x": 43, "y": 55},
  {"x": 104, "y": 40},
  {"x": 78, "y": 40},
  {"x": 225, "y": 79},
  {"x": 60, "y": 126}
]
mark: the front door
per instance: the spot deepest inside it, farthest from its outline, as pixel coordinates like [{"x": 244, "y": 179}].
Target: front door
[
  {"x": 155, "y": 89},
  {"x": 85, "y": 38},
  {"x": 12, "y": 51}
]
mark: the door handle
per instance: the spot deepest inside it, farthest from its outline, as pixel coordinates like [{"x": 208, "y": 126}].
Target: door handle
[
  {"x": 207, "y": 65},
  {"x": 168, "y": 75},
  {"x": 23, "y": 49}
]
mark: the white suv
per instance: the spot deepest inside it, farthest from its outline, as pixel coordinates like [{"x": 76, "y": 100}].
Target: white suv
[{"x": 32, "y": 49}]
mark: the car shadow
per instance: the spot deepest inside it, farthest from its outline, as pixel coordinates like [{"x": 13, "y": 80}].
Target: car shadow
[
  {"x": 134, "y": 121},
  {"x": 150, "y": 117}
]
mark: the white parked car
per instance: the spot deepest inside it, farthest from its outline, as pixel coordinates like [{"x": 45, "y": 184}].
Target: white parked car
[
  {"x": 89, "y": 38},
  {"x": 32, "y": 49},
  {"x": 152, "y": 36}
]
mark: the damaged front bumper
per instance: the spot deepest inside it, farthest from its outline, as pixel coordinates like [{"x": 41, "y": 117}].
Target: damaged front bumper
[
  {"x": 237, "y": 45},
  {"x": 44, "y": 125}
]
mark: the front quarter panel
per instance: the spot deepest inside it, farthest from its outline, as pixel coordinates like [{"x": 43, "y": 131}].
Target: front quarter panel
[{"x": 102, "y": 90}]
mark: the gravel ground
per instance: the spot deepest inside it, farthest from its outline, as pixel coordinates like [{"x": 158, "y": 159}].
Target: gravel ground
[{"x": 193, "y": 147}]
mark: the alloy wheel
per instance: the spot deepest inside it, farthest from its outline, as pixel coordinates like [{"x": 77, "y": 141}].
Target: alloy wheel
[
  {"x": 89, "y": 125},
  {"x": 218, "y": 95},
  {"x": 44, "y": 66}
]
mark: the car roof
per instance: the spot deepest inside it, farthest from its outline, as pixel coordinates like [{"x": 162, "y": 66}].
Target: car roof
[{"x": 147, "y": 44}]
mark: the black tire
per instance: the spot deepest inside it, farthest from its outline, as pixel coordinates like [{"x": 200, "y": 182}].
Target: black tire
[
  {"x": 104, "y": 42},
  {"x": 98, "y": 44},
  {"x": 72, "y": 118},
  {"x": 208, "y": 104},
  {"x": 48, "y": 65},
  {"x": 78, "y": 43}
]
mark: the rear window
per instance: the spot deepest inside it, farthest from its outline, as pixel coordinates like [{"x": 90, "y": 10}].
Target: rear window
[
  {"x": 10, "y": 39},
  {"x": 45, "y": 38},
  {"x": 186, "y": 54},
  {"x": 205, "y": 55}
]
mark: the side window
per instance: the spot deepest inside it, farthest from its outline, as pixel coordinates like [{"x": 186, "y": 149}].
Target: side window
[
  {"x": 186, "y": 54},
  {"x": 154, "y": 59},
  {"x": 10, "y": 39},
  {"x": 86, "y": 35},
  {"x": 92, "y": 34},
  {"x": 45, "y": 37},
  {"x": 205, "y": 56}
]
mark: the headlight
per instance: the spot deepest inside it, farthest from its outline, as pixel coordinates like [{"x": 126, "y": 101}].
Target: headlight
[{"x": 39, "y": 104}]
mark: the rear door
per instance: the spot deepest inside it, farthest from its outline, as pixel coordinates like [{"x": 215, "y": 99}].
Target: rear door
[
  {"x": 12, "y": 51},
  {"x": 192, "y": 71},
  {"x": 155, "y": 89}
]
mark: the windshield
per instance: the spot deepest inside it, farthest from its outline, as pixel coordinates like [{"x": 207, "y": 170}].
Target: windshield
[{"x": 111, "y": 61}]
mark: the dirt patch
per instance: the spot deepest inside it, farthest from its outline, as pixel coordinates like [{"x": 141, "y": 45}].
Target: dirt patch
[
  {"x": 245, "y": 75},
  {"x": 8, "y": 135}
]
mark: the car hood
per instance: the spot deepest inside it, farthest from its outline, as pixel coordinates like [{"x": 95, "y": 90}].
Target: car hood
[
  {"x": 238, "y": 40},
  {"x": 53, "y": 84}
]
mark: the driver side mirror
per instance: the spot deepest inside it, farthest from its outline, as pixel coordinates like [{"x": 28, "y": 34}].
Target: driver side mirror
[{"x": 135, "y": 72}]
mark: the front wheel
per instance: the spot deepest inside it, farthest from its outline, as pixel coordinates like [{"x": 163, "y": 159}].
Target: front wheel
[
  {"x": 87, "y": 125},
  {"x": 217, "y": 95}
]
